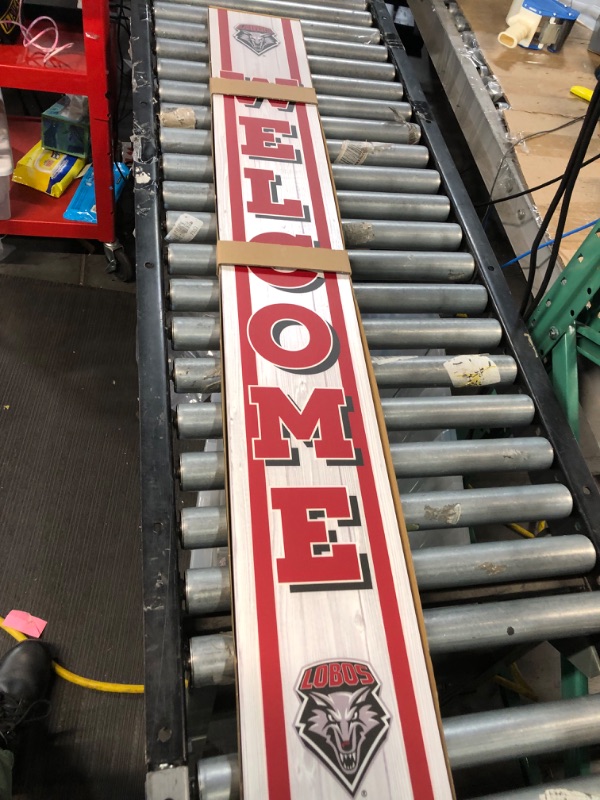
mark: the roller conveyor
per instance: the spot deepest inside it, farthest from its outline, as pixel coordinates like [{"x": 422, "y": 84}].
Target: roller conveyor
[{"x": 449, "y": 356}]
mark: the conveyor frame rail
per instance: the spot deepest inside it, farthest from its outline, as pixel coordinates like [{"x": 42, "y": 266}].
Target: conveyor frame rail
[
  {"x": 163, "y": 676},
  {"x": 166, "y": 745}
]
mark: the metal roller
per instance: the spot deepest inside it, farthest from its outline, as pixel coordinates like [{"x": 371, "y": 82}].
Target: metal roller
[
  {"x": 199, "y": 259},
  {"x": 377, "y": 154},
  {"x": 439, "y": 510},
  {"x": 412, "y": 266},
  {"x": 197, "y": 50},
  {"x": 197, "y": 53},
  {"x": 442, "y": 567},
  {"x": 376, "y": 234},
  {"x": 334, "y": 128},
  {"x": 432, "y": 371},
  {"x": 204, "y": 526},
  {"x": 198, "y": 95},
  {"x": 384, "y": 179},
  {"x": 202, "y": 294},
  {"x": 207, "y": 526},
  {"x": 390, "y": 91},
  {"x": 449, "y": 630},
  {"x": 519, "y": 732},
  {"x": 384, "y": 154},
  {"x": 362, "y": 108},
  {"x": 392, "y": 206},
  {"x": 191, "y": 259},
  {"x": 204, "y": 420},
  {"x": 203, "y": 375},
  {"x": 503, "y": 562},
  {"x": 201, "y": 471},
  {"x": 185, "y": 140},
  {"x": 178, "y": 167},
  {"x": 188, "y": 196},
  {"x": 184, "y": 92},
  {"x": 212, "y": 660},
  {"x": 351, "y": 68},
  {"x": 583, "y": 783},
  {"x": 190, "y": 24},
  {"x": 175, "y": 70},
  {"x": 386, "y": 235},
  {"x": 491, "y": 411},
  {"x": 328, "y": 13},
  {"x": 474, "y": 739},
  {"x": 197, "y": 169},
  {"x": 199, "y": 420},
  {"x": 201, "y": 116},
  {"x": 342, "y": 49},
  {"x": 512, "y": 622},
  {"x": 424, "y": 459},
  {"x": 202, "y": 332},
  {"x": 207, "y": 591},
  {"x": 219, "y": 778},
  {"x": 205, "y": 226},
  {"x": 425, "y": 333},
  {"x": 182, "y": 50},
  {"x": 400, "y": 132}
]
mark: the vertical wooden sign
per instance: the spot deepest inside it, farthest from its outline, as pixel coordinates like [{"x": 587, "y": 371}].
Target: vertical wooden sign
[{"x": 334, "y": 693}]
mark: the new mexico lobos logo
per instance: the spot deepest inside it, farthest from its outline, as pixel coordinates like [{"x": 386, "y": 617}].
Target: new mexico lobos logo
[
  {"x": 342, "y": 720},
  {"x": 256, "y": 37}
]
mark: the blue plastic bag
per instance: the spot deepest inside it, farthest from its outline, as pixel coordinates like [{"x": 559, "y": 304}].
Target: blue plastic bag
[{"x": 82, "y": 207}]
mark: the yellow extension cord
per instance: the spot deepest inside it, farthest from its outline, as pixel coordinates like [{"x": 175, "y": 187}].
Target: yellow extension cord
[{"x": 79, "y": 680}]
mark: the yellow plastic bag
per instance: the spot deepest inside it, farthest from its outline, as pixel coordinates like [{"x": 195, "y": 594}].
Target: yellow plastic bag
[{"x": 47, "y": 171}]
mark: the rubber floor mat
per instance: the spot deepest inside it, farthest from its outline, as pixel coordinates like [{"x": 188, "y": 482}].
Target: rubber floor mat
[{"x": 69, "y": 526}]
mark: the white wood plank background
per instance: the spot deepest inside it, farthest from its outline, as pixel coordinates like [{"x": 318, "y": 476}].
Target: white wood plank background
[{"x": 280, "y": 632}]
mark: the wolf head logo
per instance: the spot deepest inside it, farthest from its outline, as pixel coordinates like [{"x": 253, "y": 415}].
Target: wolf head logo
[
  {"x": 256, "y": 37},
  {"x": 342, "y": 720}
]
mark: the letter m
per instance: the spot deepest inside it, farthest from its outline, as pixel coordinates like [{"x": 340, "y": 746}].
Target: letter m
[{"x": 321, "y": 421}]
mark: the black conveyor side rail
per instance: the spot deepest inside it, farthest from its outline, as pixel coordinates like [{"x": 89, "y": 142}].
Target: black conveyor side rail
[{"x": 164, "y": 679}]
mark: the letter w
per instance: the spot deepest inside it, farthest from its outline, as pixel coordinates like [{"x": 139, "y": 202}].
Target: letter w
[{"x": 320, "y": 421}]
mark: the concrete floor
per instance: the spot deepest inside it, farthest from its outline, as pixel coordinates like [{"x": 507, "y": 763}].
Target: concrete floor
[{"x": 72, "y": 268}]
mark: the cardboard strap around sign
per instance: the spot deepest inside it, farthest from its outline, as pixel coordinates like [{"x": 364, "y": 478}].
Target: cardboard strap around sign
[
  {"x": 267, "y": 91},
  {"x": 277, "y": 256}
]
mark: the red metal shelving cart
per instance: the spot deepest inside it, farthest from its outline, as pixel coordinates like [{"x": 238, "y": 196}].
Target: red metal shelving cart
[{"x": 83, "y": 70}]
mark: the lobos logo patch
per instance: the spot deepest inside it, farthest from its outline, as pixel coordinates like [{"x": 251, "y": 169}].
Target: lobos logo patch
[
  {"x": 342, "y": 719},
  {"x": 256, "y": 37}
]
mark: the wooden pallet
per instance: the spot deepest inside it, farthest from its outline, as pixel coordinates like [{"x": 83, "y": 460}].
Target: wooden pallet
[{"x": 335, "y": 691}]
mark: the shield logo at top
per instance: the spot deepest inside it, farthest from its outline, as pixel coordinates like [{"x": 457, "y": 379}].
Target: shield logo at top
[{"x": 256, "y": 38}]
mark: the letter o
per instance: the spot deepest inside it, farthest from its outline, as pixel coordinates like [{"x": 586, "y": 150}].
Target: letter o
[
  {"x": 321, "y": 676},
  {"x": 266, "y": 326}
]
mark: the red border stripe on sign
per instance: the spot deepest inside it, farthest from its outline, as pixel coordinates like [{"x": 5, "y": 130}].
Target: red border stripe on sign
[
  {"x": 290, "y": 49},
  {"x": 270, "y": 664},
  {"x": 388, "y": 600},
  {"x": 224, "y": 39}
]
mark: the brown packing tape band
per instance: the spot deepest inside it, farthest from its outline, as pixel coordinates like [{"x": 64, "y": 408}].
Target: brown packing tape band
[
  {"x": 278, "y": 256},
  {"x": 266, "y": 91}
]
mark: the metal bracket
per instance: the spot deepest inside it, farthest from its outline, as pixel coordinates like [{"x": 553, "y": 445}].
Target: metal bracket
[
  {"x": 168, "y": 784},
  {"x": 574, "y": 294}
]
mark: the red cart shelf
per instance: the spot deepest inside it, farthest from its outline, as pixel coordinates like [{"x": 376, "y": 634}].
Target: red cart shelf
[{"x": 83, "y": 69}]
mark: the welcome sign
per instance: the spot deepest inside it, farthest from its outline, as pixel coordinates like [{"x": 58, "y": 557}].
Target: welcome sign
[{"x": 335, "y": 698}]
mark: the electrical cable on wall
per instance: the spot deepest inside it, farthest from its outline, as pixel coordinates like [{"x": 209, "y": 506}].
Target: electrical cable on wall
[{"x": 564, "y": 193}]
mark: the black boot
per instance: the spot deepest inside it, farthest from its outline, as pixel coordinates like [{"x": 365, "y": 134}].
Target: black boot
[{"x": 25, "y": 673}]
